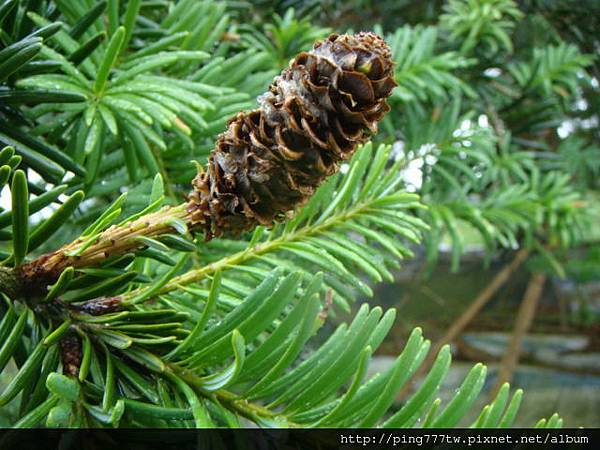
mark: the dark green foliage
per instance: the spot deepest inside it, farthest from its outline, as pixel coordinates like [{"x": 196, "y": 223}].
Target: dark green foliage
[{"x": 111, "y": 102}]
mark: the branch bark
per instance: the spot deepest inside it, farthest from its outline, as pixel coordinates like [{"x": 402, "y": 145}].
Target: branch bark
[
  {"x": 34, "y": 277},
  {"x": 468, "y": 315},
  {"x": 523, "y": 322}
]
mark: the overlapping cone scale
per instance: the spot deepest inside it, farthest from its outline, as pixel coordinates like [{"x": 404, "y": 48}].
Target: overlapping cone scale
[{"x": 315, "y": 114}]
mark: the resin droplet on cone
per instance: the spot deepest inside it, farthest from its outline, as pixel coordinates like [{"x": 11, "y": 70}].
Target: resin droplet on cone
[{"x": 315, "y": 114}]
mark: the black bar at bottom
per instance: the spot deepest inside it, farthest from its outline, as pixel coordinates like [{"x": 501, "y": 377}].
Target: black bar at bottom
[{"x": 295, "y": 439}]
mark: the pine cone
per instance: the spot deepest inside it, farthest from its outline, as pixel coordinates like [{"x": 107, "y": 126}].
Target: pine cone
[{"x": 272, "y": 159}]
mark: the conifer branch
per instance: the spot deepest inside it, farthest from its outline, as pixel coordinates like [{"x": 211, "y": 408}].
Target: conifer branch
[{"x": 269, "y": 161}]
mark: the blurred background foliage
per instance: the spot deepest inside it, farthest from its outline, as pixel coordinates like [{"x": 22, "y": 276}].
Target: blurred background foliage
[{"x": 494, "y": 124}]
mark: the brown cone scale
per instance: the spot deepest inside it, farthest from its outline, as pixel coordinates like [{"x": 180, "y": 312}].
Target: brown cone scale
[{"x": 272, "y": 159}]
